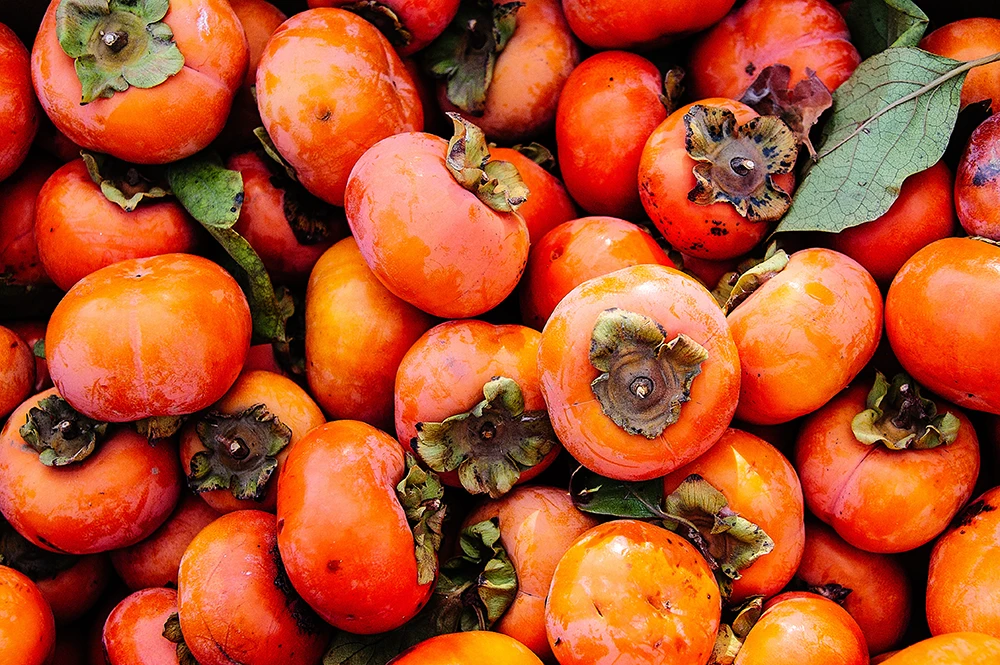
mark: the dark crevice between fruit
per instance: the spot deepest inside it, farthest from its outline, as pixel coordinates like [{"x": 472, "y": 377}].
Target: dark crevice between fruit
[
  {"x": 172, "y": 633},
  {"x": 306, "y": 619},
  {"x": 22, "y": 555},
  {"x": 736, "y": 625}
]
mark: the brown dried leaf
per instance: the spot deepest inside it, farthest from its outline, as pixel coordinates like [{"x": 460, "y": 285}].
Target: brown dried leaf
[{"x": 800, "y": 107}]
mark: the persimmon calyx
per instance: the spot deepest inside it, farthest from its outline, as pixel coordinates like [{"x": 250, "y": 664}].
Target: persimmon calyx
[
  {"x": 900, "y": 418},
  {"x": 477, "y": 586},
  {"x": 117, "y": 44},
  {"x": 159, "y": 427},
  {"x": 496, "y": 183},
  {"x": 831, "y": 591},
  {"x": 22, "y": 555},
  {"x": 421, "y": 494},
  {"x": 736, "y": 287},
  {"x": 733, "y": 633},
  {"x": 383, "y": 18},
  {"x": 491, "y": 444},
  {"x": 172, "y": 633},
  {"x": 241, "y": 452},
  {"x": 59, "y": 433},
  {"x": 644, "y": 377},
  {"x": 735, "y": 164},
  {"x": 121, "y": 183},
  {"x": 466, "y": 52},
  {"x": 673, "y": 89},
  {"x": 537, "y": 153}
]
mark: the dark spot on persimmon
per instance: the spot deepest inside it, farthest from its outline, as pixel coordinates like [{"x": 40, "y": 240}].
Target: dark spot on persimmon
[
  {"x": 558, "y": 641},
  {"x": 325, "y": 115},
  {"x": 974, "y": 510},
  {"x": 556, "y": 253},
  {"x": 750, "y": 68},
  {"x": 986, "y": 173},
  {"x": 281, "y": 524},
  {"x": 333, "y": 565}
]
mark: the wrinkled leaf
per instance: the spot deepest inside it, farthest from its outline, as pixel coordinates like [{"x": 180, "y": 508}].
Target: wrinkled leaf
[
  {"x": 876, "y": 25},
  {"x": 799, "y": 107}
]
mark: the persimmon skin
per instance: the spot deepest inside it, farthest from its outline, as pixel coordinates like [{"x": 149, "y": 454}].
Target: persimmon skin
[
  {"x": 877, "y": 499},
  {"x": 804, "y": 628},
  {"x": 27, "y": 629},
  {"x": 133, "y": 633},
  {"x": 114, "y": 498},
  {"x": 548, "y": 205},
  {"x": 923, "y": 213},
  {"x": 579, "y": 250},
  {"x": 666, "y": 176},
  {"x": 189, "y": 108},
  {"x": 963, "y": 584},
  {"x": 72, "y": 592},
  {"x": 338, "y": 489},
  {"x": 426, "y": 237},
  {"x": 32, "y": 332},
  {"x": 969, "y": 39},
  {"x": 284, "y": 399},
  {"x": 605, "y": 24},
  {"x": 953, "y": 356},
  {"x": 79, "y": 231},
  {"x": 880, "y": 591},
  {"x": 162, "y": 336},
  {"x": 804, "y": 335},
  {"x": 537, "y": 525},
  {"x": 950, "y": 649},
  {"x": 229, "y": 602},
  {"x": 424, "y": 19},
  {"x": 329, "y": 86},
  {"x": 681, "y": 305},
  {"x": 478, "y": 647},
  {"x": 977, "y": 185},
  {"x": 761, "y": 485},
  {"x": 17, "y": 371},
  {"x": 19, "y": 111},
  {"x": 18, "y": 247},
  {"x": 802, "y": 34},
  {"x": 631, "y": 593},
  {"x": 609, "y": 107}
]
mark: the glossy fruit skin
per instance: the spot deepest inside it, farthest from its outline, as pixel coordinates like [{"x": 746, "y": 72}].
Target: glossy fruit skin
[
  {"x": 537, "y": 525},
  {"x": 133, "y": 633},
  {"x": 190, "y": 108},
  {"x": 424, "y": 19},
  {"x": 804, "y": 628},
  {"x": 591, "y": 621},
  {"x": 666, "y": 176},
  {"x": 284, "y": 399},
  {"x": 165, "y": 335},
  {"x": 329, "y": 86},
  {"x": 681, "y": 305},
  {"x": 609, "y": 107},
  {"x": 977, "y": 185},
  {"x": 357, "y": 333},
  {"x": 969, "y": 39},
  {"x": 579, "y": 250},
  {"x": 18, "y": 248},
  {"x": 32, "y": 332},
  {"x": 548, "y": 205},
  {"x": 802, "y": 34},
  {"x": 471, "y": 648},
  {"x": 338, "y": 489},
  {"x": 114, "y": 498},
  {"x": 79, "y": 231},
  {"x": 804, "y": 335},
  {"x": 17, "y": 371},
  {"x": 922, "y": 328},
  {"x": 963, "y": 585},
  {"x": 153, "y": 562},
  {"x": 605, "y": 24},
  {"x": 425, "y": 236},
  {"x": 27, "y": 630},
  {"x": 761, "y": 485},
  {"x": 880, "y": 591},
  {"x": 72, "y": 592},
  {"x": 19, "y": 111},
  {"x": 951, "y": 649},
  {"x": 877, "y": 499}
]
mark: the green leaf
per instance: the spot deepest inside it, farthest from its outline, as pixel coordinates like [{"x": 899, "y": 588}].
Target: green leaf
[
  {"x": 598, "y": 495},
  {"x": 880, "y": 24},
  {"x": 39, "y": 349}
]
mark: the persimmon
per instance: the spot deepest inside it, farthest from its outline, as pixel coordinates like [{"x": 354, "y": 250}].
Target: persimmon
[
  {"x": 965, "y": 40},
  {"x": 579, "y": 250},
  {"x": 950, "y": 649},
  {"x": 471, "y": 648},
  {"x": 877, "y": 590},
  {"x": 639, "y": 371},
  {"x": 801, "y": 34},
  {"x": 963, "y": 583},
  {"x": 18, "y": 248},
  {"x": 437, "y": 221},
  {"x": 28, "y": 631},
  {"x": 923, "y": 213},
  {"x": 133, "y": 633},
  {"x": 628, "y": 593},
  {"x": 150, "y": 83},
  {"x": 235, "y": 602},
  {"x": 950, "y": 355},
  {"x": 357, "y": 333},
  {"x": 707, "y": 271},
  {"x": 19, "y": 112},
  {"x": 611, "y": 104},
  {"x": 887, "y": 468},
  {"x": 104, "y": 488},
  {"x": 804, "y": 335},
  {"x": 347, "y": 483},
  {"x": 262, "y": 357},
  {"x": 549, "y": 205},
  {"x": 153, "y": 561},
  {"x": 408, "y": 25},
  {"x": 604, "y": 24},
  {"x": 162, "y": 336},
  {"x": 329, "y": 86},
  {"x": 233, "y": 454},
  {"x": 977, "y": 183},
  {"x": 17, "y": 370},
  {"x": 33, "y": 332}
]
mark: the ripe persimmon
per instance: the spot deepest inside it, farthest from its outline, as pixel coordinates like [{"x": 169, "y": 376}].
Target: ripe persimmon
[
  {"x": 950, "y": 649},
  {"x": 133, "y": 633},
  {"x": 478, "y": 647},
  {"x": 28, "y": 632},
  {"x": 977, "y": 183},
  {"x": 549, "y": 205},
  {"x": 33, "y": 332},
  {"x": 17, "y": 371},
  {"x": 606, "y": 24},
  {"x": 409, "y": 25},
  {"x": 18, "y": 247},
  {"x": 969, "y": 39},
  {"x": 19, "y": 111}
]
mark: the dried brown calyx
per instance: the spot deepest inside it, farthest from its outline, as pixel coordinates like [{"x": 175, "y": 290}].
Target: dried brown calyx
[
  {"x": 900, "y": 418},
  {"x": 496, "y": 183},
  {"x": 60, "y": 434},
  {"x": 799, "y": 107},
  {"x": 737, "y": 623}
]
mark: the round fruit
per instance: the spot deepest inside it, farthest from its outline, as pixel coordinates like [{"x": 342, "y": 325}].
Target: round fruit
[
  {"x": 951, "y": 649},
  {"x": 134, "y": 631},
  {"x": 970, "y": 39},
  {"x": 606, "y": 24},
  {"x": 472, "y": 648},
  {"x": 17, "y": 371},
  {"x": 409, "y": 25},
  {"x": 549, "y": 205},
  {"x": 18, "y": 248},
  {"x": 28, "y": 631},
  {"x": 977, "y": 184},
  {"x": 19, "y": 111}
]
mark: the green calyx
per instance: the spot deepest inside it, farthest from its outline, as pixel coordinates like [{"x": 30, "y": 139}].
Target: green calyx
[
  {"x": 539, "y": 154},
  {"x": 644, "y": 377},
  {"x": 491, "y": 444},
  {"x": 899, "y": 418},
  {"x": 384, "y": 19},
  {"x": 122, "y": 183},
  {"x": 60, "y": 434},
  {"x": 733, "y": 633},
  {"x": 172, "y": 633},
  {"x": 19, "y": 553},
  {"x": 241, "y": 452},
  {"x": 496, "y": 183},
  {"x": 750, "y": 275},
  {"x": 466, "y": 52},
  {"x": 117, "y": 44},
  {"x": 422, "y": 496}
]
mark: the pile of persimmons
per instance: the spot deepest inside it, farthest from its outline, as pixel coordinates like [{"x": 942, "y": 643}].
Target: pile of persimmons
[{"x": 489, "y": 332}]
